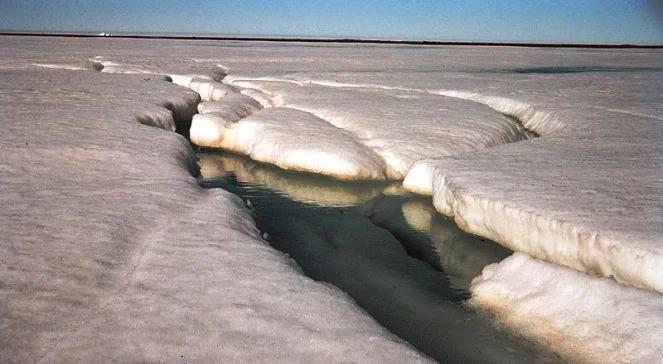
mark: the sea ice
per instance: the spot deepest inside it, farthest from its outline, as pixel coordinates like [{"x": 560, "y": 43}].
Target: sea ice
[
  {"x": 583, "y": 209},
  {"x": 586, "y": 194},
  {"x": 110, "y": 250},
  {"x": 584, "y": 318},
  {"x": 291, "y": 139},
  {"x": 401, "y": 127}
]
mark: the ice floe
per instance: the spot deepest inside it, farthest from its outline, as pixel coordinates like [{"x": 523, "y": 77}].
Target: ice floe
[
  {"x": 290, "y": 139},
  {"x": 584, "y": 318},
  {"x": 401, "y": 127}
]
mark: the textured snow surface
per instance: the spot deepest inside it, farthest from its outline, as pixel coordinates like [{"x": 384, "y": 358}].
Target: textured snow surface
[
  {"x": 403, "y": 126},
  {"x": 586, "y": 194},
  {"x": 399, "y": 126},
  {"x": 110, "y": 251},
  {"x": 585, "y": 318},
  {"x": 594, "y": 207},
  {"x": 290, "y": 139}
]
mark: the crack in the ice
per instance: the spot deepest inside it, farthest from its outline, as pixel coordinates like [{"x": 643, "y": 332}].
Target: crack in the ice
[{"x": 128, "y": 278}]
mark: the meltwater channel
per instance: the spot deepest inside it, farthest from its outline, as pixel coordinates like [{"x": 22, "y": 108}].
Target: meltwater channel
[{"x": 403, "y": 263}]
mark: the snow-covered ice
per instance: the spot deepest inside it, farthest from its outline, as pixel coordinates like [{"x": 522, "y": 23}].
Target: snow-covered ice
[
  {"x": 593, "y": 207},
  {"x": 400, "y": 127},
  {"x": 586, "y": 194},
  {"x": 584, "y": 318},
  {"x": 290, "y": 139},
  {"x": 110, "y": 251},
  {"x": 583, "y": 195}
]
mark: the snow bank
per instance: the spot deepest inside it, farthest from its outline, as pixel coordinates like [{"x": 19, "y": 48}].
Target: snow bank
[
  {"x": 292, "y": 140},
  {"x": 103, "y": 64},
  {"x": 420, "y": 178},
  {"x": 583, "y": 318},
  {"x": 539, "y": 121},
  {"x": 60, "y": 66},
  {"x": 232, "y": 107},
  {"x": 583, "y": 194},
  {"x": 264, "y": 99},
  {"x": 210, "y": 90},
  {"x": 186, "y": 80},
  {"x": 109, "y": 243},
  {"x": 402, "y": 127},
  {"x": 559, "y": 220},
  {"x": 205, "y": 85}
]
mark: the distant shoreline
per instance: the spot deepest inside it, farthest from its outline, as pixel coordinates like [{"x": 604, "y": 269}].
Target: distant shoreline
[{"x": 336, "y": 40}]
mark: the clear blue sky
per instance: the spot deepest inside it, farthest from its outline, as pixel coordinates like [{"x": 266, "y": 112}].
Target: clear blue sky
[{"x": 587, "y": 21}]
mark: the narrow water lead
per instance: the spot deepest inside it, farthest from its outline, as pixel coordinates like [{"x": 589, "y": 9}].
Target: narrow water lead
[{"x": 404, "y": 264}]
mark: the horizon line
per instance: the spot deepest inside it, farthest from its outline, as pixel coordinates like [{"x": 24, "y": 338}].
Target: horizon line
[{"x": 304, "y": 39}]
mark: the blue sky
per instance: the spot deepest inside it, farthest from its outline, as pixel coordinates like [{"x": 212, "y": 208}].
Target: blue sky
[{"x": 585, "y": 21}]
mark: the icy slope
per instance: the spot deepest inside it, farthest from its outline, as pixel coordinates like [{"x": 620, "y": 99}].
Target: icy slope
[
  {"x": 584, "y": 318},
  {"x": 290, "y": 139},
  {"x": 111, "y": 252},
  {"x": 401, "y": 127},
  {"x": 593, "y": 207}
]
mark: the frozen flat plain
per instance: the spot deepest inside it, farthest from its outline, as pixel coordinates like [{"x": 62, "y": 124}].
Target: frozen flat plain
[
  {"x": 89, "y": 189},
  {"x": 111, "y": 252}
]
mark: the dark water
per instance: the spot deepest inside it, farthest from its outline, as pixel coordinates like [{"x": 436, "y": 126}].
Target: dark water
[
  {"x": 580, "y": 69},
  {"x": 405, "y": 265}
]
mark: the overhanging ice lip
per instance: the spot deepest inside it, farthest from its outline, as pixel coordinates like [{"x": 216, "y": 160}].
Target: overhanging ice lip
[{"x": 561, "y": 308}]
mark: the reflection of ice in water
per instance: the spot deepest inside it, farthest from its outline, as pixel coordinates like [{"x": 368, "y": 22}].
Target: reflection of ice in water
[
  {"x": 418, "y": 213},
  {"x": 462, "y": 256},
  {"x": 355, "y": 237},
  {"x": 297, "y": 186}
]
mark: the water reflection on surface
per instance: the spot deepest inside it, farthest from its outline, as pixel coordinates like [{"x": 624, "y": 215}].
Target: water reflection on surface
[
  {"x": 404, "y": 264},
  {"x": 308, "y": 188},
  {"x": 461, "y": 256}
]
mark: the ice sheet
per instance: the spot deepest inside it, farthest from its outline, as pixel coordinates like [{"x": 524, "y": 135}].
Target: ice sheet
[
  {"x": 586, "y": 209},
  {"x": 584, "y": 318},
  {"x": 110, "y": 251},
  {"x": 401, "y": 127},
  {"x": 586, "y": 194},
  {"x": 290, "y": 139}
]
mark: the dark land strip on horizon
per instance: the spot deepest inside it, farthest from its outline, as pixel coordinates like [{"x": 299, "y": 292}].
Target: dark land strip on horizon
[{"x": 333, "y": 40}]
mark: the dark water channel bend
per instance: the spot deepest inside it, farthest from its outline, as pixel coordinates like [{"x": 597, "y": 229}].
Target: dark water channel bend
[{"x": 390, "y": 251}]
